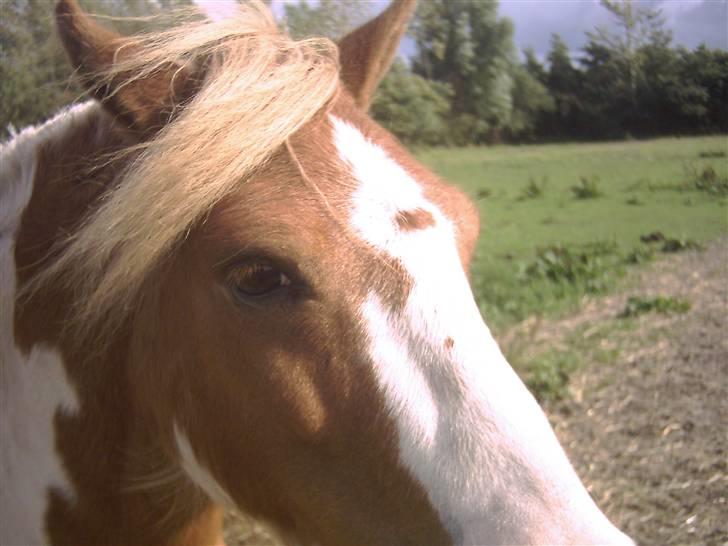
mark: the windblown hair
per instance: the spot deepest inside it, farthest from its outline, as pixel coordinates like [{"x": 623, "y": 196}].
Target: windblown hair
[{"x": 260, "y": 87}]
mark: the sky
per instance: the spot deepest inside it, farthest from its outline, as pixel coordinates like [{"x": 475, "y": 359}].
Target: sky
[{"x": 691, "y": 21}]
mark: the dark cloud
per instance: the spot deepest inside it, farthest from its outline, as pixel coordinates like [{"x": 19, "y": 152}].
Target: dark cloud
[
  {"x": 691, "y": 21},
  {"x": 706, "y": 22}
]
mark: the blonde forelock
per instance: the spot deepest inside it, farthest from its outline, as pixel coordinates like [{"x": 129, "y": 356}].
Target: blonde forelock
[{"x": 260, "y": 87}]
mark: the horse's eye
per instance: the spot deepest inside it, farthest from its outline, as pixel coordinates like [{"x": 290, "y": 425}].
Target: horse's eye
[{"x": 257, "y": 279}]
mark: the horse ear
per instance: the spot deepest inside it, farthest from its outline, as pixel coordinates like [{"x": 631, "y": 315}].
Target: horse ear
[
  {"x": 143, "y": 104},
  {"x": 367, "y": 53}
]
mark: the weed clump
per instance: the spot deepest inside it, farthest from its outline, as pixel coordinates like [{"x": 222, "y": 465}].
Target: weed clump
[
  {"x": 710, "y": 182},
  {"x": 639, "y": 255},
  {"x": 587, "y": 188},
  {"x": 680, "y": 245},
  {"x": 483, "y": 193},
  {"x": 669, "y": 244},
  {"x": 548, "y": 377},
  {"x": 533, "y": 190},
  {"x": 587, "y": 265},
  {"x": 637, "y": 305},
  {"x": 654, "y": 237},
  {"x": 711, "y": 154},
  {"x": 705, "y": 179}
]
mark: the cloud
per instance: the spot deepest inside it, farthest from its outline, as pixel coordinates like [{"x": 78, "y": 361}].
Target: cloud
[
  {"x": 698, "y": 22},
  {"x": 692, "y": 21},
  {"x": 217, "y": 9}
]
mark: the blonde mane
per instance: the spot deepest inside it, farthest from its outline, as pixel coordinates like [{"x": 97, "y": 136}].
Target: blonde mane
[{"x": 260, "y": 87}]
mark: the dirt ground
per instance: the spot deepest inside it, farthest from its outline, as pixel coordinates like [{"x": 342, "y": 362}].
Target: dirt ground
[{"x": 647, "y": 433}]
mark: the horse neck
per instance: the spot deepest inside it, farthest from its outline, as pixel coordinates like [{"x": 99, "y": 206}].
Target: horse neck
[
  {"x": 52, "y": 170},
  {"x": 97, "y": 459}
]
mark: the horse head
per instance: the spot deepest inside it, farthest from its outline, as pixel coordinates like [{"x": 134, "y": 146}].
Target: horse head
[{"x": 269, "y": 307}]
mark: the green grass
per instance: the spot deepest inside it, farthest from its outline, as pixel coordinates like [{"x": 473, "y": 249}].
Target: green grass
[
  {"x": 643, "y": 187},
  {"x": 547, "y": 373}
]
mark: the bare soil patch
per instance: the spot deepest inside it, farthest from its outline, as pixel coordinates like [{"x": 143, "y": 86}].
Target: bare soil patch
[{"x": 647, "y": 428}]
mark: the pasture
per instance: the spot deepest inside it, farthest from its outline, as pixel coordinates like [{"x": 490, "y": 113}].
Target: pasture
[{"x": 563, "y": 220}]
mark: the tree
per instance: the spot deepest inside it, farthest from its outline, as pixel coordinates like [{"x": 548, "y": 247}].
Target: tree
[
  {"x": 533, "y": 66},
  {"x": 34, "y": 73},
  {"x": 465, "y": 45},
  {"x": 639, "y": 25},
  {"x": 330, "y": 18},
  {"x": 531, "y": 103},
  {"x": 565, "y": 85},
  {"x": 35, "y": 77},
  {"x": 707, "y": 69},
  {"x": 615, "y": 64},
  {"x": 562, "y": 77},
  {"x": 413, "y": 108}
]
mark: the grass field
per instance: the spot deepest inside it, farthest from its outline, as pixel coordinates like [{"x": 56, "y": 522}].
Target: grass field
[{"x": 563, "y": 220}]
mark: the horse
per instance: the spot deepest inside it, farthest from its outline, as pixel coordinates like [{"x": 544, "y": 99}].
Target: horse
[{"x": 224, "y": 286}]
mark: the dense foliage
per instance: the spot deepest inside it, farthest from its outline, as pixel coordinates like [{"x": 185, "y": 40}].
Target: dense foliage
[
  {"x": 628, "y": 82},
  {"x": 330, "y": 18},
  {"x": 464, "y": 83},
  {"x": 35, "y": 77}
]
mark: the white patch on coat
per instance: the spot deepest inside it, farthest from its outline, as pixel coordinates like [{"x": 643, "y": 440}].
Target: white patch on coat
[
  {"x": 34, "y": 387},
  {"x": 197, "y": 473},
  {"x": 469, "y": 431}
]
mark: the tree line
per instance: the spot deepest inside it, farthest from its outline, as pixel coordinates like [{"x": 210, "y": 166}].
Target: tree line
[
  {"x": 465, "y": 82},
  {"x": 467, "y": 85},
  {"x": 36, "y": 79}
]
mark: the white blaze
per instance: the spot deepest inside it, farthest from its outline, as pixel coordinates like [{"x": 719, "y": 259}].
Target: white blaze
[{"x": 469, "y": 431}]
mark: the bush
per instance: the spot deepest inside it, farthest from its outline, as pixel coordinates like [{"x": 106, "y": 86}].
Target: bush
[
  {"x": 466, "y": 129},
  {"x": 413, "y": 108}
]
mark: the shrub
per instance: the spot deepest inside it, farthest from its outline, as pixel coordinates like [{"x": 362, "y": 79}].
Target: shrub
[
  {"x": 413, "y": 108},
  {"x": 465, "y": 129}
]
